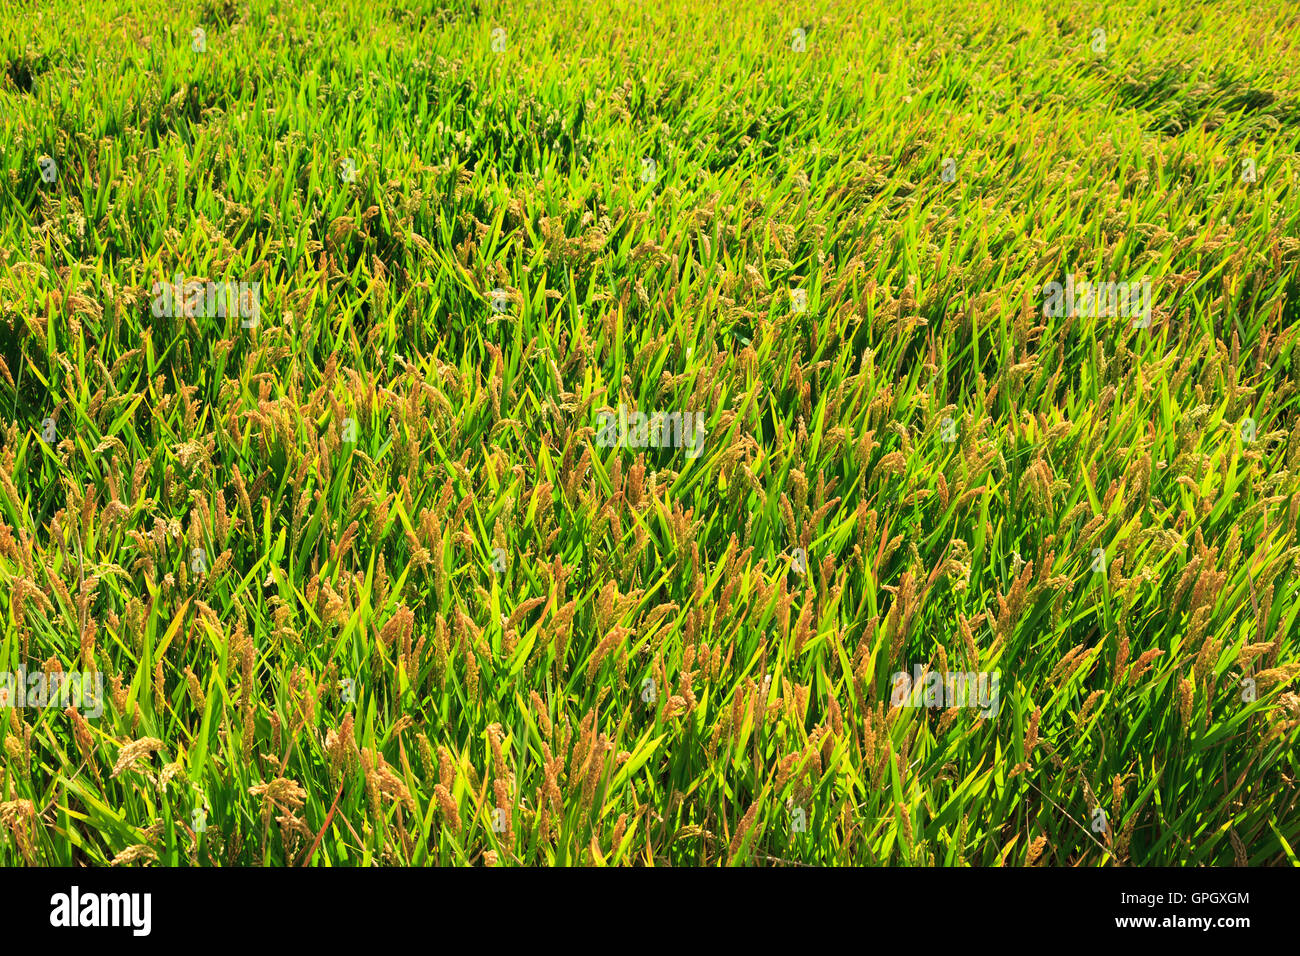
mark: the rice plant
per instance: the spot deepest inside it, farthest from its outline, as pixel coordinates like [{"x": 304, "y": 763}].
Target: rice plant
[{"x": 498, "y": 433}]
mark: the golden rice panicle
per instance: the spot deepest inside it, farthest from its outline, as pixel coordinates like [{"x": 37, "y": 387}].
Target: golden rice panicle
[
  {"x": 1275, "y": 676},
  {"x": 159, "y": 697},
  {"x": 337, "y": 753},
  {"x": 742, "y": 831},
  {"x": 387, "y": 782},
  {"x": 1031, "y": 734},
  {"x": 1142, "y": 665},
  {"x": 447, "y": 807},
  {"x": 1035, "y": 851},
  {"x": 133, "y": 752},
  {"x": 134, "y": 854},
  {"x": 19, "y": 818},
  {"x": 905, "y": 823},
  {"x": 1186, "y": 693},
  {"x": 197, "y": 696},
  {"x": 620, "y": 828},
  {"x": 1121, "y": 656},
  {"x": 426, "y": 756},
  {"x": 446, "y": 767},
  {"x": 543, "y": 718},
  {"x": 1086, "y": 710}
]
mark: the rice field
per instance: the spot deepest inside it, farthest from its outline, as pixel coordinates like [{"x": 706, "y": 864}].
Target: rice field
[{"x": 495, "y": 433}]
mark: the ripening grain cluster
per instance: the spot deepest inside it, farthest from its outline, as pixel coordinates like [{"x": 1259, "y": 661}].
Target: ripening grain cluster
[{"x": 499, "y": 433}]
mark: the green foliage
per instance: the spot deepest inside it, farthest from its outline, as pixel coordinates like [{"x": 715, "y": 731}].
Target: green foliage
[{"x": 385, "y": 641}]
